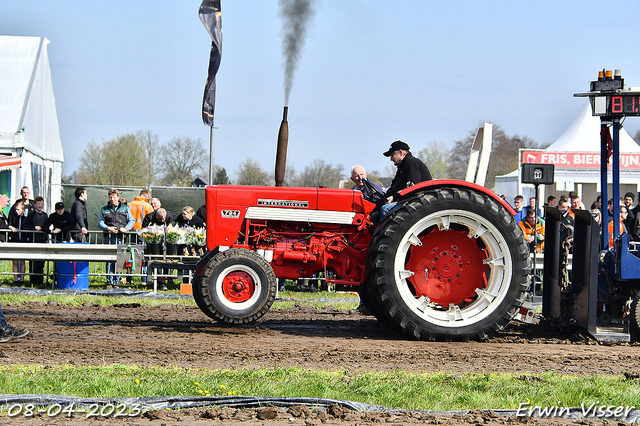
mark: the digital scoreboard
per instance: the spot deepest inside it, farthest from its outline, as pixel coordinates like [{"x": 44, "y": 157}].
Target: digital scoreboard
[
  {"x": 623, "y": 104},
  {"x": 609, "y": 99},
  {"x": 616, "y": 104}
]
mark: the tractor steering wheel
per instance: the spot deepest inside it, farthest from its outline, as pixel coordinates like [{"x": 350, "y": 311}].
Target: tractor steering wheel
[{"x": 378, "y": 197}]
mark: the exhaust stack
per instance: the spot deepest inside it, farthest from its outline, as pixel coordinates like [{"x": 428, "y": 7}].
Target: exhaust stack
[{"x": 281, "y": 151}]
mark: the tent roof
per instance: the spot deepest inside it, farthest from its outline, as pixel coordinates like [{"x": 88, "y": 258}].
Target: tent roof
[
  {"x": 583, "y": 135},
  {"x": 28, "y": 117}
]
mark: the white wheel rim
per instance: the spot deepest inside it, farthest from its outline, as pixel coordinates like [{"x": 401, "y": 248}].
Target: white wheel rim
[
  {"x": 487, "y": 299},
  {"x": 238, "y": 306}
]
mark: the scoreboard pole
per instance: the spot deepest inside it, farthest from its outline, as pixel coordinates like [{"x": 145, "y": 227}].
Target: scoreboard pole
[
  {"x": 616, "y": 181},
  {"x": 604, "y": 190}
]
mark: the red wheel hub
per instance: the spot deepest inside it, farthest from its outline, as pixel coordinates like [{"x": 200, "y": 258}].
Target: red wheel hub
[
  {"x": 447, "y": 267},
  {"x": 238, "y": 286}
]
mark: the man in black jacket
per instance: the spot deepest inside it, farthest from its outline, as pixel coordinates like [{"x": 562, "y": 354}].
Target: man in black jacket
[
  {"x": 411, "y": 170},
  {"x": 62, "y": 223},
  {"x": 79, "y": 215},
  {"x": 37, "y": 221},
  {"x": 29, "y": 204},
  {"x": 158, "y": 216}
]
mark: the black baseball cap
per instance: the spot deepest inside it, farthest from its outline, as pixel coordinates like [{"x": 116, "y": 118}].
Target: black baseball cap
[
  {"x": 59, "y": 205},
  {"x": 396, "y": 146}
]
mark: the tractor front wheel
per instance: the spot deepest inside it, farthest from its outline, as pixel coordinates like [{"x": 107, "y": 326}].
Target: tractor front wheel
[{"x": 237, "y": 286}]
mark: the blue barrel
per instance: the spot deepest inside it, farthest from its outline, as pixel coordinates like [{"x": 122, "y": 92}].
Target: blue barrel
[{"x": 73, "y": 275}]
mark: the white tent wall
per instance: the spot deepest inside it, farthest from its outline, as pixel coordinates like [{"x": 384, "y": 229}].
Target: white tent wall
[
  {"x": 41, "y": 118},
  {"x": 43, "y": 177},
  {"x": 28, "y": 118}
]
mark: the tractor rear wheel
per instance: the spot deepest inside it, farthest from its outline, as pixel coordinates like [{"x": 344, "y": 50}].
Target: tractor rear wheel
[
  {"x": 367, "y": 299},
  {"x": 237, "y": 286},
  {"x": 635, "y": 318},
  {"x": 449, "y": 263}
]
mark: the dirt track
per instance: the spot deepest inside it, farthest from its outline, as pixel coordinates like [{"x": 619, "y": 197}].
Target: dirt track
[{"x": 303, "y": 336}]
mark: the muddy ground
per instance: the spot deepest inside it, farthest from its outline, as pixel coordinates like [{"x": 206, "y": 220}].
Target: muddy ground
[{"x": 170, "y": 335}]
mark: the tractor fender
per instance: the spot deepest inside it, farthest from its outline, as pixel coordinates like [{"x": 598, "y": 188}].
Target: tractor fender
[
  {"x": 453, "y": 183},
  {"x": 202, "y": 262}
]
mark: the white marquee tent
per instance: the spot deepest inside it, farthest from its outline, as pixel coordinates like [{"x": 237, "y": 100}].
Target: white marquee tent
[
  {"x": 576, "y": 156},
  {"x": 30, "y": 148}
]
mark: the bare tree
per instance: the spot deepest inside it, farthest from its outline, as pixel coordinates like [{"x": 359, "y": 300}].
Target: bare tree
[
  {"x": 290, "y": 175},
  {"x": 183, "y": 161},
  {"x": 153, "y": 155},
  {"x": 389, "y": 170},
  {"x": 320, "y": 173},
  {"x": 250, "y": 172},
  {"x": 374, "y": 176},
  {"x": 504, "y": 154},
  {"x": 458, "y": 158},
  {"x": 116, "y": 162},
  {"x": 90, "y": 169}
]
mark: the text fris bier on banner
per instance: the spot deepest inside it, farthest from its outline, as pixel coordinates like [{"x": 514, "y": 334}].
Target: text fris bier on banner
[
  {"x": 211, "y": 18},
  {"x": 577, "y": 160}
]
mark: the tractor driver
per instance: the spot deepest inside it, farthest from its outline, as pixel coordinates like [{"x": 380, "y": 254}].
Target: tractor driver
[{"x": 411, "y": 170}]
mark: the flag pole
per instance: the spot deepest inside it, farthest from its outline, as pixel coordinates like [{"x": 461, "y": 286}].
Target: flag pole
[
  {"x": 211, "y": 17},
  {"x": 210, "y": 182}
]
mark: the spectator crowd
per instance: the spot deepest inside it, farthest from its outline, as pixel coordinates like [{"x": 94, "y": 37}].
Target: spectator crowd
[
  {"x": 532, "y": 223},
  {"x": 120, "y": 221}
]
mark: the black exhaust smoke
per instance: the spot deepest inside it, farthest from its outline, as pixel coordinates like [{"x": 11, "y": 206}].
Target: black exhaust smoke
[{"x": 281, "y": 151}]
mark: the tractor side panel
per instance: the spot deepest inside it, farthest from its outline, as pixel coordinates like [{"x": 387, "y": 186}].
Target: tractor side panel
[
  {"x": 301, "y": 231},
  {"x": 227, "y": 206}
]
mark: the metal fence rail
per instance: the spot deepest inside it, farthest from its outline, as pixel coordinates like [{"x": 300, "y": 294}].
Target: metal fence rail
[
  {"x": 59, "y": 252},
  {"x": 87, "y": 248}
]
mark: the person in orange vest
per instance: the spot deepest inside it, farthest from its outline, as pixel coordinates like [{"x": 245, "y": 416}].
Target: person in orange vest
[
  {"x": 623, "y": 216},
  {"x": 530, "y": 224},
  {"x": 140, "y": 207}
]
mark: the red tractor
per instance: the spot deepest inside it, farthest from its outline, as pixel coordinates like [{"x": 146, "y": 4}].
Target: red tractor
[{"x": 448, "y": 262}]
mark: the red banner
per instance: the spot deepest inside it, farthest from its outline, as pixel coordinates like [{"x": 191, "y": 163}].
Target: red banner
[{"x": 577, "y": 160}]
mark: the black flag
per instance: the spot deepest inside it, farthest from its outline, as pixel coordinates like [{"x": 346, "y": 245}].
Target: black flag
[{"x": 211, "y": 17}]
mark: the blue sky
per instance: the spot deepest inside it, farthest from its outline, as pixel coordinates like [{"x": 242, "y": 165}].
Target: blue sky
[{"x": 370, "y": 72}]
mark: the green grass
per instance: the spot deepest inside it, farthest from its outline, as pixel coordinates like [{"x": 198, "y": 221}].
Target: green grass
[
  {"x": 79, "y": 300},
  {"x": 440, "y": 391}
]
